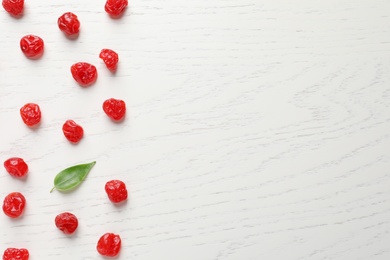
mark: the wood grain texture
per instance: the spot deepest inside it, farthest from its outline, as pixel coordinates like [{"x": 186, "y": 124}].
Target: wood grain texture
[{"x": 255, "y": 129}]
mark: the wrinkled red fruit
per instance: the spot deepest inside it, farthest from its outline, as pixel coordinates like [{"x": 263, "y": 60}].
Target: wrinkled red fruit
[
  {"x": 13, "y": 7},
  {"x": 110, "y": 58},
  {"x": 31, "y": 114},
  {"x": 114, "y": 108},
  {"x": 115, "y": 7},
  {"x": 72, "y": 131},
  {"x": 109, "y": 245},
  {"x": 116, "y": 191},
  {"x": 16, "y": 167},
  {"x": 14, "y": 204},
  {"x": 66, "y": 222},
  {"x": 31, "y": 46},
  {"x": 84, "y": 73},
  {"x": 68, "y": 23},
  {"x": 16, "y": 254}
]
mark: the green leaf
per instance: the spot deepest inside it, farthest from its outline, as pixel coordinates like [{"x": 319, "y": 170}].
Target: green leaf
[{"x": 72, "y": 177}]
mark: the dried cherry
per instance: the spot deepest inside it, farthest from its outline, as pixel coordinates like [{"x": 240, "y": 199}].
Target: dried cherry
[
  {"x": 114, "y": 108},
  {"x": 16, "y": 167},
  {"x": 16, "y": 254},
  {"x": 31, "y": 114},
  {"x": 13, "y": 205},
  {"x": 69, "y": 23},
  {"x": 110, "y": 58},
  {"x": 115, "y": 7},
  {"x": 66, "y": 222},
  {"x": 13, "y": 7},
  {"x": 72, "y": 131},
  {"x": 84, "y": 73},
  {"x": 109, "y": 245},
  {"x": 32, "y": 46},
  {"x": 116, "y": 191}
]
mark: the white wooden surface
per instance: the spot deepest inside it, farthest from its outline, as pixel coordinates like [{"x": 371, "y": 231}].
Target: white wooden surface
[{"x": 256, "y": 129}]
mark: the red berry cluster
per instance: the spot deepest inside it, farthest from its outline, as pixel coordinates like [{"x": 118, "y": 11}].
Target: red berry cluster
[
  {"x": 69, "y": 23},
  {"x": 85, "y": 74},
  {"x": 16, "y": 254},
  {"x": 32, "y": 46},
  {"x": 13, "y": 7},
  {"x": 115, "y": 7}
]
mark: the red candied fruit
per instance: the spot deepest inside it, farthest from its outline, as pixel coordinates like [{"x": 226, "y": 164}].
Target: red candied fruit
[
  {"x": 116, "y": 191},
  {"x": 66, "y": 222},
  {"x": 109, "y": 245},
  {"x": 16, "y": 254},
  {"x": 72, "y": 131},
  {"x": 110, "y": 58},
  {"x": 114, "y": 108},
  {"x": 115, "y": 7},
  {"x": 16, "y": 167},
  {"x": 31, "y": 114},
  {"x": 13, "y": 205},
  {"x": 32, "y": 46},
  {"x": 69, "y": 23},
  {"x": 84, "y": 73},
  {"x": 14, "y": 7}
]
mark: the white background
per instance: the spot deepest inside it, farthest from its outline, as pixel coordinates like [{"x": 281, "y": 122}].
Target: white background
[{"x": 255, "y": 129}]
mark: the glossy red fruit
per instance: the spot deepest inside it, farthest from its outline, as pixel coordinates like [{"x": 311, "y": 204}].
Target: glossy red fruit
[
  {"x": 13, "y": 205},
  {"x": 115, "y": 7},
  {"x": 14, "y": 7},
  {"x": 114, "y": 108},
  {"x": 66, "y": 222},
  {"x": 32, "y": 46},
  {"x": 84, "y": 73},
  {"x": 16, "y": 254},
  {"x": 31, "y": 114},
  {"x": 116, "y": 191},
  {"x": 72, "y": 131},
  {"x": 110, "y": 58},
  {"x": 16, "y": 167},
  {"x": 109, "y": 245},
  {"x": 69, "y": 23}
]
